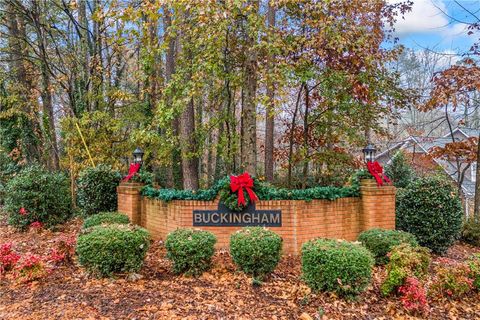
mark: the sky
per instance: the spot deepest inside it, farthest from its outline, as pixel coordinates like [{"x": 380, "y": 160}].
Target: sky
[{"x": 439, "y": 25}]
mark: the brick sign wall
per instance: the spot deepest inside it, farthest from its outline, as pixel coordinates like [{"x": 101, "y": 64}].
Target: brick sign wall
[{"x": 295, "y": 221}]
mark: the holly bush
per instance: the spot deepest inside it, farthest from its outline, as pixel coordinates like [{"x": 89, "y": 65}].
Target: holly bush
[
  {"x": 97, "y": 189},
  {"x": 115, "y": 248},
  {"x": 37, "y": 195},
  {"x": 256, "y": 250},
  {"x": 190, "y": 250},
  {"x": 105, "y": 218},
  {"x": 336, "y": 266},
  {"x": 381, "y": 241},
  {"x": 430, "y": 209}
]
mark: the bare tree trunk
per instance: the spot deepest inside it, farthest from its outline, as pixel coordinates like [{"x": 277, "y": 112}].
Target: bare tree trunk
[
  {"x": 174, "y": 170},
  {"x": 97, "y": 69},
  {"x": 248, "y": 155},
  {"x": 49, "y": 123},
  {"x": 17, "y": 43},
  {"x": 305, "y": 137},
  {"x": 476, "y": 212},
  {"x": 85, "y": 50},
  {"x": 188, "y": 143},
  {"x": 269, "y": 117},
  {"x": 291, "y": 138}
]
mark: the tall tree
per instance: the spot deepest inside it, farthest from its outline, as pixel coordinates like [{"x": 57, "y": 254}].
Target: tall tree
[
  {"x": 248, "y": 157},
  {"x": 270, "y": 110}
]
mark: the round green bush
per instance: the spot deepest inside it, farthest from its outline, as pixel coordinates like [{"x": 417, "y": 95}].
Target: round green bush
[
  {"x": 43, "y": 195},
  {"x": 256, "y": 250},
  {"x": 114, "y": 248},
  {"x": 471, "y": 232},
  {"x": 430, "y": 209},
  {"x": 190, "y": 250},
  {"x": 381, "y": 241},
  {"x": 105, "y": 218},
  {"x": 97, "y": 189},
  {"x": 336, "y": 266}
]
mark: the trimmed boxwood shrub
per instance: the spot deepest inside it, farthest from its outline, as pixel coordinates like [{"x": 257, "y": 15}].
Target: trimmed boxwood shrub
[
  {"x": 256, "y": 250},
  {"x": 190, "y": 250},
  {"x": 36, "y": 194},
  {"x": 115, "y": 248},
  {"x": 336, "y": 266},
  {"x": 97, "y": 189},
  {"x": 381, "y": 241},
  {"x": 105, "y": 218},
  {"x": 430, "y": 209}
]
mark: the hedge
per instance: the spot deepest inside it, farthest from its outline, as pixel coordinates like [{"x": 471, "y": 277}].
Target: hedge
[
  {"x": 337, "y": 266},
  {"x": 105, "y": 250},
  {"x": 256, "y": 250}
]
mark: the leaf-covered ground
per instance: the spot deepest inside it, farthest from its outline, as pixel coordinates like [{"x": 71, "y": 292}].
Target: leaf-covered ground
[{"x": 222, "y": 293}]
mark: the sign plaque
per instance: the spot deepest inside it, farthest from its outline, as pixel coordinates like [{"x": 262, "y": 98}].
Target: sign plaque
[{"x": 224, "y": 217}]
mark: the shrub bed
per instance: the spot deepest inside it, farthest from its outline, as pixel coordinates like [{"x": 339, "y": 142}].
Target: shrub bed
[
  {"x": 452, "y": 279},
  {"x": 97, "y": 189},
  {"x": 190, "y": 250},
  {"x": 256, "y": 250},
  {"x": 471, "y": 232},
  {"x": 37, "y": 195},
  {"x": 474, "y": 264},
  {"x": 105, "y": 218},
  {"x": 109, "y": 249},
  {"x": 337, "y": 266},
  {"x": 430, "y": 209},
  {"x": 381, "y": 241},
  {"x": 405, "y": 261}
]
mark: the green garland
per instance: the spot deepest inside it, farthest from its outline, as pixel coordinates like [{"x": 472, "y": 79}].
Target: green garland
[{"x": 263, "y": 190}]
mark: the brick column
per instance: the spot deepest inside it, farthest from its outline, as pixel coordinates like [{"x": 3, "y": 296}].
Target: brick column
[
  {"x": 378, "y": 205},
  {"x": 129, "y": 200}
]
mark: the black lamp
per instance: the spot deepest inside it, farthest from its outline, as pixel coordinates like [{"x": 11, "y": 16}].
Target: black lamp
[
  {"x": 369, "y": 153},
  {"x": 138, "y": 156}
]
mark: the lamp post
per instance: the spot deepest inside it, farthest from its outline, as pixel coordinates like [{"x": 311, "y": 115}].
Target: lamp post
[
  {"x": 138, "y": 156},
  {"x": 369, "y": 153}
]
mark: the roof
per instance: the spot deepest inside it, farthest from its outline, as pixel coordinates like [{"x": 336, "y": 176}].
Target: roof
[
  {"x": 467, "y": 132},
  {"x": 425, "y": 144}
]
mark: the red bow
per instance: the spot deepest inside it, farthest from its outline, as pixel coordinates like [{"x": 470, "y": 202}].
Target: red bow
[
  {"x": 237, "y": 183},
  {"x": 376, "y": 171},
  {"x": 134, "y": 167}
]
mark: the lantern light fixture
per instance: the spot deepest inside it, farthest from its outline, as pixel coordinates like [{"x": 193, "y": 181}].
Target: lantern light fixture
[
  {"x": 369, "y": 153},
  {"x": 138, "y": 156}
]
